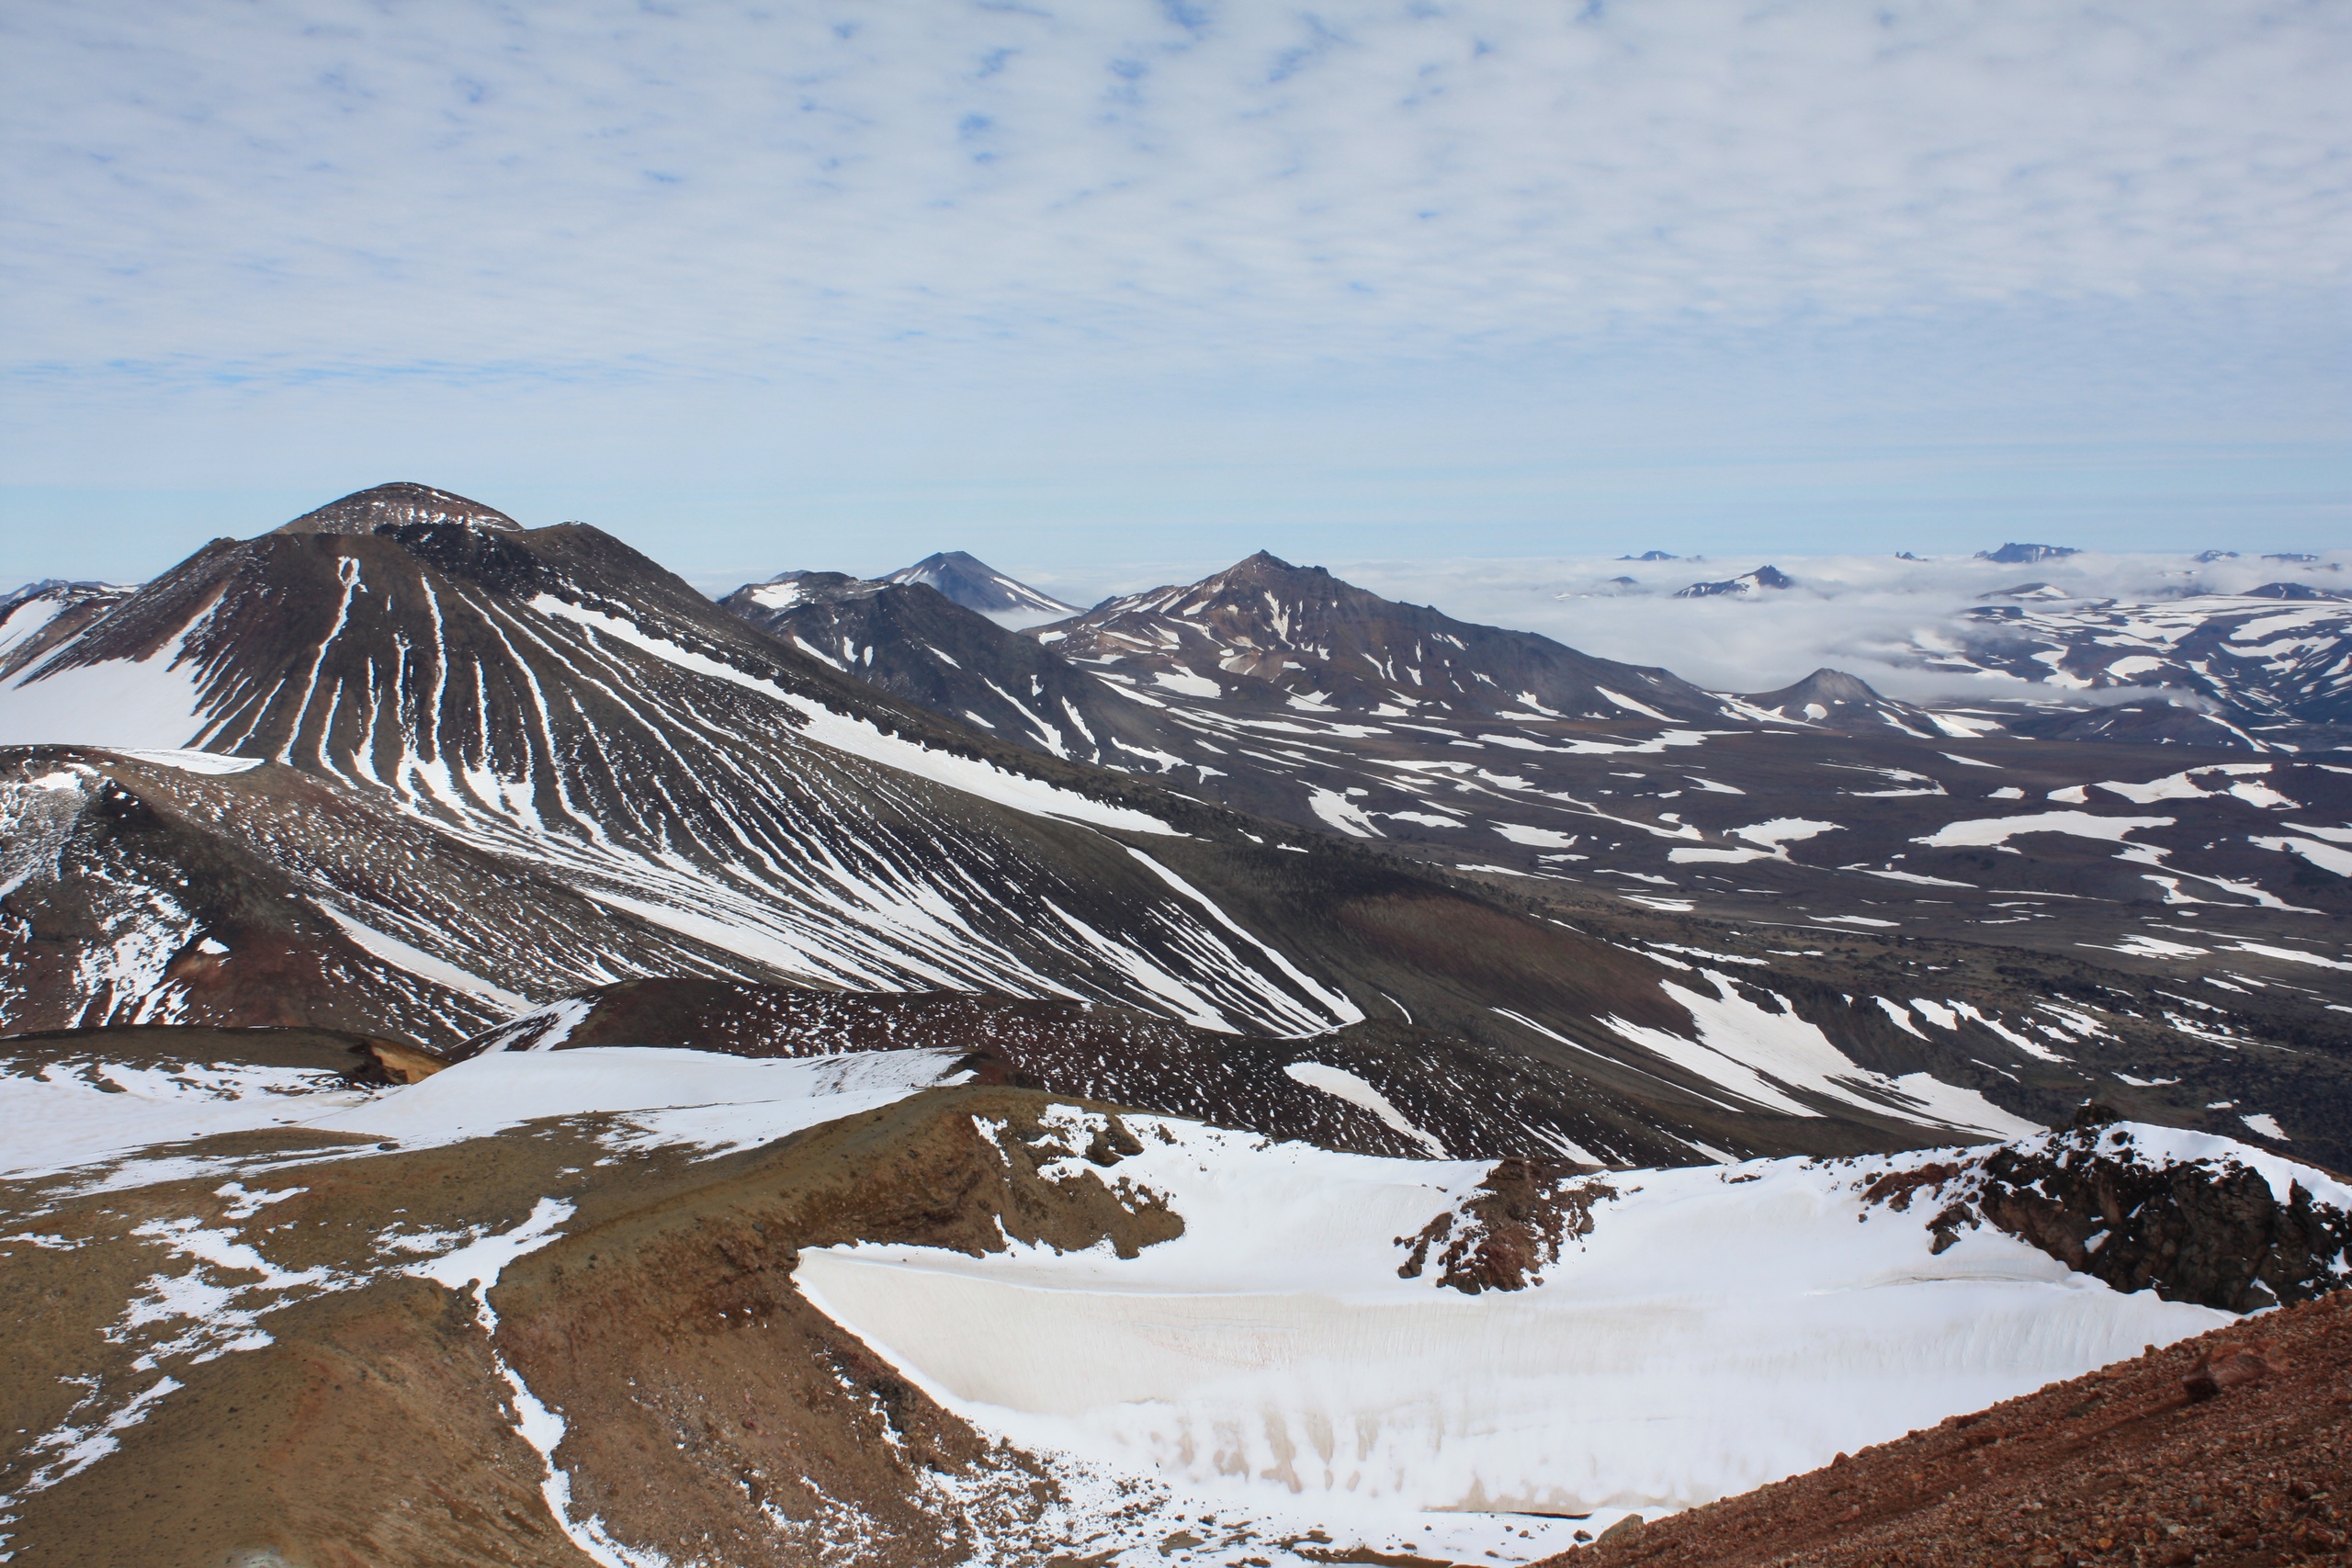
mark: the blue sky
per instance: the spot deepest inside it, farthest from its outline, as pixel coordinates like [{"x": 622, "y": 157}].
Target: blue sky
[{"x": 839, "y": 284}]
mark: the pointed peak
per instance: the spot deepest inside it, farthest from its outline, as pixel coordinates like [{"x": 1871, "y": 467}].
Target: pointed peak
[
  {"x": 970, "y": 582},
  {"x": 1265, "y": 565},
  {"x": 365, "y": 510},
  {"x": 937, "y": 559},
  {"x": 1834, "y": 686},
  {"x": 1745, "y": 584}
]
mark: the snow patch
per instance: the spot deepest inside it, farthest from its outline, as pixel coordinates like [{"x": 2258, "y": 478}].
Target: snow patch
[{"x": 1341, "y": 1084}]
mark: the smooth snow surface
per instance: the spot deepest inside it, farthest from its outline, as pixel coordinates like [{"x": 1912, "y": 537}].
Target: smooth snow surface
[
  {"x": 208, "y": 763},
  {"x": 66, "y": 1116},
  {"x": 1710, "y": 1336},
  {"x": 149, "y": 704},
  {"x": 696, "y": 1098}
]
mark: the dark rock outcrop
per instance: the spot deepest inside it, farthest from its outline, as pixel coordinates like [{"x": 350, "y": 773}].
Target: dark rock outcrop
[{"x": 2208, "y": 1229}]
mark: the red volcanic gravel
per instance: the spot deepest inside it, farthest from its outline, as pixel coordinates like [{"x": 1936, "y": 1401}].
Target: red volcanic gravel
[{"x": 2230, "y": 1449}]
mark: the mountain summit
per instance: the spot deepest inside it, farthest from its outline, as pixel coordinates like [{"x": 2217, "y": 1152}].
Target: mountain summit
[
  {"x": 1284, "y": 632},
  {"x": 976, "y": 585},
  {"x": 962, "y": 580},
  {"x": 365, "y": 510}
]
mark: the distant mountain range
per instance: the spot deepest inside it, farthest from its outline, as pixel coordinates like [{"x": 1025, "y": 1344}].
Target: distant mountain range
[
  {"x": 1267, "y": 802},
  {"x": 2275, "y": 655},
  {"x": 2027, "y": 555}
]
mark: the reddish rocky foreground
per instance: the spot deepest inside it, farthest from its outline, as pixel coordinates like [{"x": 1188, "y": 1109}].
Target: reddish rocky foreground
[{"x": 2230, "y": 1449}]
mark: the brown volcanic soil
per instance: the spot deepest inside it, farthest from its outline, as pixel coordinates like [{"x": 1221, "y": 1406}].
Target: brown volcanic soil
[
  {"x": 2126, "y": 1465},
  {"x": 712, "y": 1413}
]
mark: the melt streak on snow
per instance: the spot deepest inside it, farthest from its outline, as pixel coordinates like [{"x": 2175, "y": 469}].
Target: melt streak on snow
[{"x": 1273, "y": 1351}]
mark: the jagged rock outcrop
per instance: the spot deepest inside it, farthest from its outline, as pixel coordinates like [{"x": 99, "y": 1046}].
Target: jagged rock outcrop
[{"x": 2142, "y": 1208}]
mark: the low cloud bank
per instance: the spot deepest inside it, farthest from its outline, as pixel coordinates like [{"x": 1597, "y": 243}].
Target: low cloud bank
[{"x": 1871, "y": 616}]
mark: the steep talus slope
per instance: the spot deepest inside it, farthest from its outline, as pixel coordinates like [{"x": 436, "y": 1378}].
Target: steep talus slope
[
  {"x": 173, "y": 892},
  {"x": 156, "y": 892},
  {"x": 1932, "y": 892},
  {"x": 552, "y": 699},
  {"x": 1371, "y": 1087},
  {"x": 911, "y": 642},
  {"x": 1817, "y": 790}
]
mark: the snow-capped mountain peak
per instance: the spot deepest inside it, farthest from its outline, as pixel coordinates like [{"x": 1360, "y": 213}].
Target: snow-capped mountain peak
[
  {"x": 1745, "y": 585},
  {"x": 2026, "y": 554},
  {"x": 1300, "y": 634},
  {"x": 788, "y": 589},
  {"x": 976, "y": 585},
  {"x": 1831, "y": 699}
]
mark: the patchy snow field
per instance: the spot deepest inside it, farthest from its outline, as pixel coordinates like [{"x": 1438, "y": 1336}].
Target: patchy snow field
[{"x": 67, "y": 1117}]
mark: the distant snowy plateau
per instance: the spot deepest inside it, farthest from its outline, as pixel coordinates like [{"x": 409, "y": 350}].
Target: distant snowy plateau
[{"x": 507, "y": 1059}]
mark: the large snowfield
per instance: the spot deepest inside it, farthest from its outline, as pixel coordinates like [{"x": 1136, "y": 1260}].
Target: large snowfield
[{"x": 1721, "y": 1328}]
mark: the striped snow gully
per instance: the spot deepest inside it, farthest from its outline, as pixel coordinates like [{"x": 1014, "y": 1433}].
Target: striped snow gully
[
  {"x": 1273, "y": 1350},
  {"x": 1764, "y": 1057},
  {"x": 1341, "y": 1084},
  {"x": 1337, "y": 1003},
  {"x": 798, "y": 863},
  {"x": 400, "y": 954},
  {"x": 859, "y": 737}
]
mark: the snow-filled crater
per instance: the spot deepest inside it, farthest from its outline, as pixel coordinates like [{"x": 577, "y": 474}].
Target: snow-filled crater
[{"x": 1717, "y": 1329}]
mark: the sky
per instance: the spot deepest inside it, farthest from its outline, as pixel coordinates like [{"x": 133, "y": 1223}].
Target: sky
[{"x": 1079, "y": 287}]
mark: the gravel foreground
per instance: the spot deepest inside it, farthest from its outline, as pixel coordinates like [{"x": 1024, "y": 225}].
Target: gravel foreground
[{"x": 2230, "y": 1449}]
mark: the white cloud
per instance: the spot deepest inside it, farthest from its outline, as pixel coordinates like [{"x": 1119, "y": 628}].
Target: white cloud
[
  {"x": 1865, "y": 614},
  {"x": 286, "y": 191}
]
